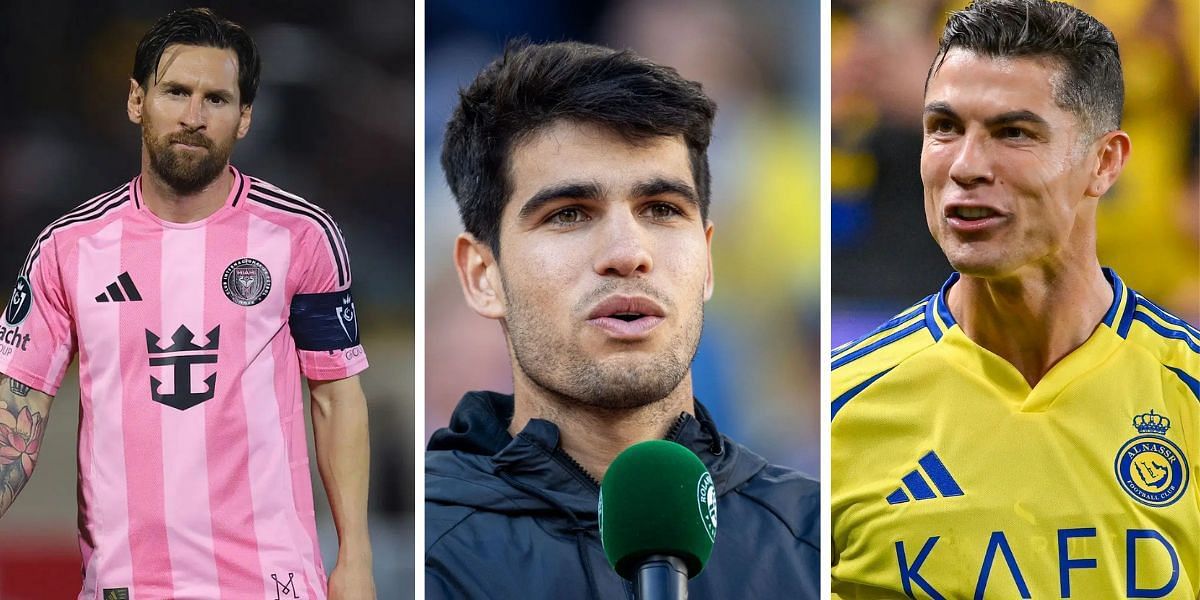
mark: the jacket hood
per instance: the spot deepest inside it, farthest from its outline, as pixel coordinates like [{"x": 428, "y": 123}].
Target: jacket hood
[{"x": 475, "y": 463}]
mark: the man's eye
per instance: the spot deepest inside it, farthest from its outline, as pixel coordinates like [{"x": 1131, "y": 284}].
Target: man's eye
[
  {"x": 1013, "y": 133},
  {"x": 942, "y": 126},
  {"x": 175, "y": 92},
  {"x": 661, "y": 211},
  {"x": 568, "y": 216},
  {"x": 216, "y": 100}
]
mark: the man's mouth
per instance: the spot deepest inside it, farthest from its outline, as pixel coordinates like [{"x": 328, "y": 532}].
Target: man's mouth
[
  {"x": 973, "y": 213},
  {"x": 626, "y": 317},
  {"x": 192, "y": 142},
  {"x": 974, "y": 218}
]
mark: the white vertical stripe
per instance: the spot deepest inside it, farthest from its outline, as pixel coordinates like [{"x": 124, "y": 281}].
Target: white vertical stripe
[
  {"x": 185, "y": 451},
  {"x": 104, "y": 481},
  {"x": 275, "y": 519}
]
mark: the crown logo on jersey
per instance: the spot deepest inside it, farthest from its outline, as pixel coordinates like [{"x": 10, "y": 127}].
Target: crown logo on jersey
[
  {"x": 184, "y": 341},
  {"x": 1152, "y": 423}
]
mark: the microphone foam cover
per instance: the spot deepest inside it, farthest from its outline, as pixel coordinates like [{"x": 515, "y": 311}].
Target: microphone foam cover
[{"x": 657, "y": 498}]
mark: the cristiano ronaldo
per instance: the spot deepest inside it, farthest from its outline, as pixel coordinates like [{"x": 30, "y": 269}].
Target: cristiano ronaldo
[{"x": 1031, "y": 429}]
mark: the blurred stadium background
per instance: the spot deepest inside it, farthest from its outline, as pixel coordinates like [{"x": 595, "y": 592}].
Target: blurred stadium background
[
  {"x": 758, "y": 362},
  {"x": 332, "y": 122},
  {"x": 883, "y": 256}
]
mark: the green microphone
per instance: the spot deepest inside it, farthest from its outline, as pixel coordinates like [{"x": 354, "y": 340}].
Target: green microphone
[{"x": 658, "y": 517}]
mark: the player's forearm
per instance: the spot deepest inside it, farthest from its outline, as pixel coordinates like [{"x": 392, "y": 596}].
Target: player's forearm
[
  {"x": 339, "y": 412},
  {"x": 23, "y": 415}
]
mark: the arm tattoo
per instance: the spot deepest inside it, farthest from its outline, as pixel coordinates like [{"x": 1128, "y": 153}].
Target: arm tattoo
[
  {"x": 23, "y": 413},
  {"x": 18, "y": 388}
]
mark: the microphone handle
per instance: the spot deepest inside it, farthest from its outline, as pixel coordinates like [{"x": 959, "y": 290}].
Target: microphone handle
[{"x": 661, "y": 577}]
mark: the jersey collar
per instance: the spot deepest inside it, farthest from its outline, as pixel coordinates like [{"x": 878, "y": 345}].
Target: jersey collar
[
  {"x": 237, "y": 195},
  {"x": 1118, "y": 318}
]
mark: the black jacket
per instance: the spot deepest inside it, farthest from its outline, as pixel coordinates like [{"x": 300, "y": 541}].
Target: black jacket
[{"x": 516, "y": 518}]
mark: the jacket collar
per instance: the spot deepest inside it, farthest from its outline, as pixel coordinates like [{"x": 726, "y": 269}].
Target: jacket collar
[{"x": 533, "y": 461}]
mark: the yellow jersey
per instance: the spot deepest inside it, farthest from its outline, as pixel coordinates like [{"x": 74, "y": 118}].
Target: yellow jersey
[{"x": 952, "y": 478}]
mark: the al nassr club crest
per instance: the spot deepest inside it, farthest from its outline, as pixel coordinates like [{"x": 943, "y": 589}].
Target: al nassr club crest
[{"x": 1151, "y": 468}]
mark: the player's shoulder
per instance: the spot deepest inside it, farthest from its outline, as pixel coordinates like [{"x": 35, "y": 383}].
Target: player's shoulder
[
  {"x": 288, "y": 208},
  {"x": 1171, "y": 340},
  {"x": 860, "y": 362},
  {"x": 94, "y": 212},
  {"x": 100, "y": 208}
]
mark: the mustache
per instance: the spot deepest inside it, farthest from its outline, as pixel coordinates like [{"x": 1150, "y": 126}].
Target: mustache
[
  {"x": 190, "y": 138},
  {"x": 630, "y": 288}
]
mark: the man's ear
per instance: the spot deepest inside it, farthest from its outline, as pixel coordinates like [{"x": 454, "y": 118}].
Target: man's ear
[
  {"x": 479, "y": 276},
  {"x": 244, "y": 121},
  {"x": 1111, "y": 153},
  {"x": 136, "y": 101},
  {"x": 708, "y": 281}
]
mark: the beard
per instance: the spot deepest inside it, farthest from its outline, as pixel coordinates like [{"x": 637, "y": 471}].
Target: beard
[
  {"x": 615, "y": 382},
  {"x": 186, "y": 171}
]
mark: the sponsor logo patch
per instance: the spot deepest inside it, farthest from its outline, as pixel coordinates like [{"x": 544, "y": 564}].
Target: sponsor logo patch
[
  {"x": 347, "y": 318},
  {"x": 706, "y": 502},
  {"x": 246, "y": 282},
  {"x": 181, "y": 355},
  {"x": 20, "y": 303}
]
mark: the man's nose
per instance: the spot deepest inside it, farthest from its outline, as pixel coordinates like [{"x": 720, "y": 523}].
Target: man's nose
[
  {"x": 972, "y": 164},
  {"x": 625, "y": 246},
  {"x": 194, "y": 115}
]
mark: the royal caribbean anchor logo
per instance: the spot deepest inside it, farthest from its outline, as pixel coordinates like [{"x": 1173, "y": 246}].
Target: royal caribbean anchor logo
[
  {"x": 1150, "y": 467},
  {"x": 181, "y": 356}
]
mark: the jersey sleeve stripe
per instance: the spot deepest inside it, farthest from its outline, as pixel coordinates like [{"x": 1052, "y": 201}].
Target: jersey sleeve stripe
[
  {"x": 882, "y": 329},
  {"x": 331, "y": 234},
  {"x": 917, "y": 325},
  {"x": 841, "y": 401},
  {"x": 1142, "y": 302},
  {"x": 1165, "y": 330},
  {"x": 1188, "y": 380},
  {"x": 319, "y": 213},
  {"x": 95, "y": 210}
]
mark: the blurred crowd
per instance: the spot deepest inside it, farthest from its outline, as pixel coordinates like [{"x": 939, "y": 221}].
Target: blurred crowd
[
  {"x": 758, "y": 363},
  {"x": 883, "y": 257},
  {"x": 332, "y": 123}
]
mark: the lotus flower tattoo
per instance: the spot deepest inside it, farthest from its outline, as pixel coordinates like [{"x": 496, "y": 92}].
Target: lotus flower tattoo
[{"x": 20, "y": 438}]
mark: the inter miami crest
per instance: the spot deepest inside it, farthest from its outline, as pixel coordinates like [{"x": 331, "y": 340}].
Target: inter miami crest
[
  {"x": 1151, "y": 468},
  {"x": 246, "y": 282}
]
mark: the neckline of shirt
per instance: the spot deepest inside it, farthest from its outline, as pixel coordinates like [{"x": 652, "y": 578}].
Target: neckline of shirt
[{"x": 237, "y": 193}]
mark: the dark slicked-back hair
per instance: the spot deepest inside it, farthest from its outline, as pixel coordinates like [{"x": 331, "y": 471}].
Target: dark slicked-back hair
[
  {"x": 534, "y": 85},
  {"x": 199, "y": 27},
  {"x": 1090, "y": 85}
]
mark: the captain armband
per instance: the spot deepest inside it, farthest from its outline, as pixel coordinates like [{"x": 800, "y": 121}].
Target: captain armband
[{"x": 322, "y": 322}]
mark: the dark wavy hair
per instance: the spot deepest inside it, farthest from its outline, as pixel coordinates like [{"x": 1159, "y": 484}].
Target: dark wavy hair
[
  {"x": 199, "y": 27},
  {"x": 1091, "y": 85},
  {"x": 532, "y": 86}
]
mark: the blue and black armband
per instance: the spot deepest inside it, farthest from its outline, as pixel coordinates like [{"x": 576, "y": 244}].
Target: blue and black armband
[{"x": 322, "y": 322}]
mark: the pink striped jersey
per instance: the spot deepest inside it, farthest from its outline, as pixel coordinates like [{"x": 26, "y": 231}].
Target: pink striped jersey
[{"x": 192, "y": 340}]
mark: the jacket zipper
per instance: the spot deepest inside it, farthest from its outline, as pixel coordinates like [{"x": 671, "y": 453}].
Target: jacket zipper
[{"x": 573, "y": 465}]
